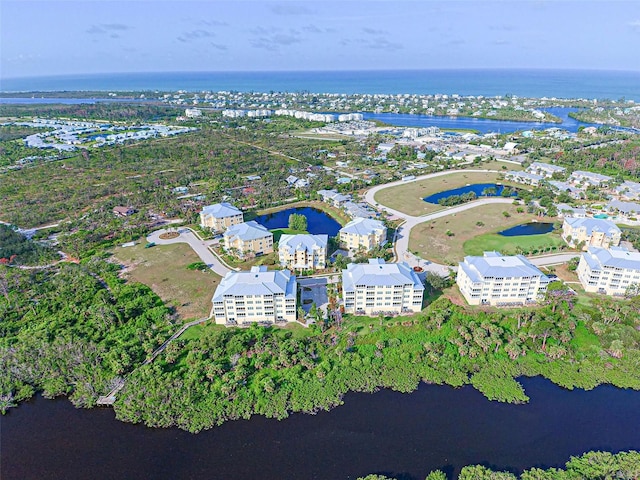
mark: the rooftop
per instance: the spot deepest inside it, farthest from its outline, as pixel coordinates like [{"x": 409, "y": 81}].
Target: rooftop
[
  {"x": 308, "y": 242},
  {"x": 614, "y": 257},
  {"x": 494, "y": 264},
  {"x": 258, "y": 281},
  {"x": 363, "y": 226},
  {"x": 593, "y": 225},
  {"x": 220, "y": 210},
  {"x": 379, "y": 273},
  {"x": 247, "y": 231}
]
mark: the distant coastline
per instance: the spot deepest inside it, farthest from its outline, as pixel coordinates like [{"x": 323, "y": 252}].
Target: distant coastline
[{"x": 589, "y": 84}]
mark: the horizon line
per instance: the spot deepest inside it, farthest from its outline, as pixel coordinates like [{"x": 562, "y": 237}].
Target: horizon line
[{"x": 97, "y": 74}]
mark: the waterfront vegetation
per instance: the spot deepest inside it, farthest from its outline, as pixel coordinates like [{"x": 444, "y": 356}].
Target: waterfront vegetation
[
  {"x": 595, "y": 465},
  {"x": 217, "y": 374},
  {"x": 74, "y": 329}
]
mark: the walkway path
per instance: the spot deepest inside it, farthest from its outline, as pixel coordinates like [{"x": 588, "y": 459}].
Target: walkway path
[{"x": 200, "y": 247}]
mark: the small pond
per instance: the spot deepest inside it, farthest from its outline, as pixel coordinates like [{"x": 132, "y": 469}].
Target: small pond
[
  {"x": 318, "y": 222},
  {"x": 478, "y": 188},
  {"x": 532, "y": 228}
]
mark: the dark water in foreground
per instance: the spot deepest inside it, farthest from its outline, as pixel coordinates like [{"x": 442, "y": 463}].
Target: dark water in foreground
[
  {"x": 318, "y": 222},
  {"x": 388, "y": 432}
]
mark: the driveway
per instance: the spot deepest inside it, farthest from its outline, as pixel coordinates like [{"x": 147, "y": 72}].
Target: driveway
[{"x": 198, "y": 246}]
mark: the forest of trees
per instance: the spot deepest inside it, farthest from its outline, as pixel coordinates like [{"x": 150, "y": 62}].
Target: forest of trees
[{"x": 16, "y": 249}]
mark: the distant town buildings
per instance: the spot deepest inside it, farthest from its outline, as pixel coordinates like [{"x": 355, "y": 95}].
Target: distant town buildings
[
  {"x": 192, "y": 113},
  {"x": 261, "y": 296},
  {"x": 590, "y": 232},
  {"x": 377, "y": 286},
  {"x": 609, "y": 271},
  {"x": 498, "y": 280},
  {"x": 363, "y": 233},
  {"x": 220, "y": 216},
  {"x": 524, "y": 177},
  {"x": 248, "y": 238},
  {"x": 303, "y": 251}
]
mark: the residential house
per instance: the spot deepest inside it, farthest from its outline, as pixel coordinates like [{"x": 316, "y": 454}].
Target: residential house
[
  {"x": 625, "y": 210},
  {"x": 580, "y": 177},
  {"x": 609, "y": 271},
  {"x": 565, "y": 210},
  {"x": 545, "y": 169},
  {"x": 121, "y": 211},
  {"x": 248, "y": 237},
  {"x": 363, "y": 233},
  {"x": 524, "y": 177},
  {"x": 368, "y": 288},
  {"x": 590, "y": 232},
  {"x": 333, "y": 197},
  {"x": 361, "y": 209},
  {"x": 259, "y": 295},
  {"x": 303, "y": 251},
  {"x": 495, "y": 279},
  {"x": 629, "y": 190},
  {"x": 220, "y": 216}
]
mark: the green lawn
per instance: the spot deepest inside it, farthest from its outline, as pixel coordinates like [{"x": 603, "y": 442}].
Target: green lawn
[
  {"x": 431, "y": 242},
  {"x": 164, "y": 269},
  {"x": 512, "y": 245}
]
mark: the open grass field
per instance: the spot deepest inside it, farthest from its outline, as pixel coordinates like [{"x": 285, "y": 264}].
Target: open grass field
[
  {"x": 512, "y": 245},
  {"x": 431, "y": 242},
  {"x": 408, "y": 198},
  {"x": 164, "y": 269}
]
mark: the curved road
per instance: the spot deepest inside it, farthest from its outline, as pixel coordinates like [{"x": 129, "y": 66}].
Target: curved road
[
  {"x": 201, "y": 248},
  {"x": 404, "y": 231}
]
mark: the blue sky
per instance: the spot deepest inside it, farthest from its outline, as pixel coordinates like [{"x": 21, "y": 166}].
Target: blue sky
[{"x": 96, "y": 36}]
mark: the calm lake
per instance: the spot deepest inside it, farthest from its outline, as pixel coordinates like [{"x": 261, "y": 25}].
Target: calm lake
[
  {"x": 476, "y": 188},
  {"x": 402, "y": 435},
  {"x": 318, "y": 222},
  {"x": 531, "y": 228}
]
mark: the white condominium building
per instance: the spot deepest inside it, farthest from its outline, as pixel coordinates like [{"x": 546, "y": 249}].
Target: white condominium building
[
  {"x": 303, "y": 251},
  {"x": 592, "y": 232},
  {"x": 249, "y": 237},
  {"x": 609, "y": 271},
  {"x": 363, "y": 232},
  {"x": 220, "y": 216},
  {"x": 256, "y": 296},
  {"x": 495, "y": 279},
  {"x": 377, "y": 286}
]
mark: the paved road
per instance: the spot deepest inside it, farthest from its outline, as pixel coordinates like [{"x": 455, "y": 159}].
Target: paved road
[
  {"x": 404, "y": 231},
  {"x": 198, "y": 246},
  {"x": 553, "y": 259}
]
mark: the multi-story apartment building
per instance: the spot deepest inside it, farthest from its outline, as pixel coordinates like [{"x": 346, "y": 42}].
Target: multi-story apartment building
[
  {"x": 495, "y": 279},
  {"x": 257, "y": 296},
  {"x": 609, "y": 271},
  {"x": 220, "y": 216},
  {"x": 249, "y": 237},
  {"x": 377, "y": 286},
  {"x": 591, "y": 232},
  {"x": 303, "y": 251},
  {"x": 363, "y": 232}
]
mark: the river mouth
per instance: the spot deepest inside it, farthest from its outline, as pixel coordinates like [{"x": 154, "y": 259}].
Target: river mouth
[{"x": 531, "y": 228}]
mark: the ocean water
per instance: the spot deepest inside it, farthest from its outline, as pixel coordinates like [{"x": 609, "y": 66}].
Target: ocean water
[{"x": 589, "y": 84}]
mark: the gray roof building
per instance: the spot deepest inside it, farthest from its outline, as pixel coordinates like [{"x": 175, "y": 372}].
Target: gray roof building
[
  {"x": 246, "y": 231},
  {"x": 496, "y": 265},
  {"x": 363, "y": 226},
  {"x": 614, "y": 257},
  {"x": 300, "y": 242},
  {"x": 220, "y": 210},
  {"x": 591, "y": 225},
  {"x": 258, "y": 281},
  {"x": 379, "y": 273}
]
